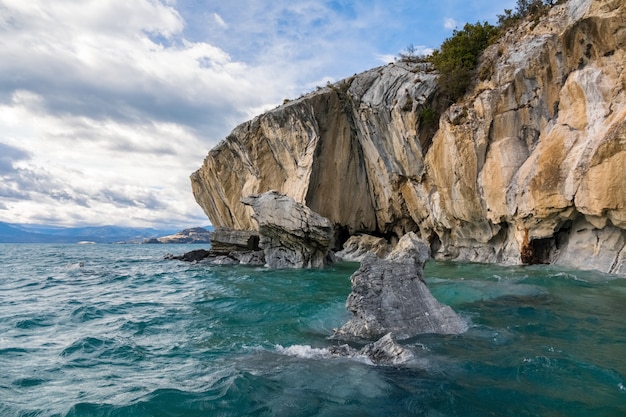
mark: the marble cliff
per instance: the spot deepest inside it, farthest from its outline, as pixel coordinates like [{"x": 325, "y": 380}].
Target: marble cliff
[{"x": 529, "y": 166}]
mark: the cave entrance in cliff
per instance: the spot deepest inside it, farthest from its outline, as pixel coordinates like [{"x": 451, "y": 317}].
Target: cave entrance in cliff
[
  {"x": 342, "y": 234},
  {"x": 542, "y": 251},
  {"x": 253, "y": 242},
  {"x": 435, "y": 244}
]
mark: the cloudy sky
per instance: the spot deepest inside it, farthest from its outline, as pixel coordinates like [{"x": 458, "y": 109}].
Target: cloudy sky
[{"x": 107, "y": 106}]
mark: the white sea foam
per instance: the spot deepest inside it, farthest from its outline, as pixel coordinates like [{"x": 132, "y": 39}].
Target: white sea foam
[
  {"x": 304, "y": 351},
  {"x": 75, "y": 265}
]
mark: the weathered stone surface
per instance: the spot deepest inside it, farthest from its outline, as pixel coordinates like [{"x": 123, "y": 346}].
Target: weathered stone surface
[
  {"x": 389, "y": 296},
  {"x": 385, "y": 351},
  {"x": 536, "y": 146},
  {"x": 191, "y": 235},
  {"x": 292, "y": 235},
  {"x": 225, "y": 241},
  {"x": 358, "y": 246},
  {"x": 191, "y": 256},
  {"x": 228, "y": 247}
]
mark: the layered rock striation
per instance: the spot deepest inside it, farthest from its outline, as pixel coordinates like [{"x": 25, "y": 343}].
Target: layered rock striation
[
  {"x": 291, "y": 235},
  {"x": 528, "y": 166},
  {"x": 389, "y": 295}
]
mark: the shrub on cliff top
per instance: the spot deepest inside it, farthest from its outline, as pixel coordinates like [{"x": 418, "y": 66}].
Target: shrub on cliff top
[
  {"x": 525, "y": 8},
  {"x": 457, "y": 58},
  {"x": 458, "y": 55}
]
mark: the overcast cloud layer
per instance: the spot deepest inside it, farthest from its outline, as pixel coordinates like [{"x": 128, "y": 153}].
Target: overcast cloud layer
[{"x": 107, "y": 106}]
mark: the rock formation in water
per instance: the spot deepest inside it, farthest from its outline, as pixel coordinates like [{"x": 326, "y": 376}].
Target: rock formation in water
[
  {"x": 228, "y": 247},
  {"x": 530, "y": 161},
  {"x": 357, "y": 247},
  {"x": 389, "y": 295},
  {"x": 292, "y": 235},
  {"x": 289, "y": 235},
  {"x": 384, "y": 351}
]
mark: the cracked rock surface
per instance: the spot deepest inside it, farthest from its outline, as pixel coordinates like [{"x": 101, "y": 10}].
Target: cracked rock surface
[{"x": 389, "y": 295}]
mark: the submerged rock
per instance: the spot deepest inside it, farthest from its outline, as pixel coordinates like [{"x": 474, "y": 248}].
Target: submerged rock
[
  {"x": 291, "y": 234},
  {"x": 385, "y": 351},
  {"x": 389, "y": 295},
  {"x": 191, "y": 256}
]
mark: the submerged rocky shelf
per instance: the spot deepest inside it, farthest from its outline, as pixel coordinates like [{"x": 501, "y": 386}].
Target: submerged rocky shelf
[{"x": 527, "y": 167}]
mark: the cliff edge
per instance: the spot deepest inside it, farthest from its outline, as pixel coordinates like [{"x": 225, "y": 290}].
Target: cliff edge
[{"x": 529, "y": 166}]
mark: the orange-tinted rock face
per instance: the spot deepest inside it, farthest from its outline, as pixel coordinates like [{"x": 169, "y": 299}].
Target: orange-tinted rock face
[{"x": 538, "y": 146}]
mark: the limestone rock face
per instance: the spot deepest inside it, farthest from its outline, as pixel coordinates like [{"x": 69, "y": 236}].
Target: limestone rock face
[
  {"x": 357, "y": 247},
  {"x": 389, "y": 296},
  {"x": 292, "y": 235},
  {"x": 345, "y": 151},
  {"x": 536, "y": 148},
  {"x": 235, "y": 247}
]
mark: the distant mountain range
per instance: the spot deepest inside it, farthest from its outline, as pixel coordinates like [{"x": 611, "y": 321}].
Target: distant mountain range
[{"x": 29, "y": 233}]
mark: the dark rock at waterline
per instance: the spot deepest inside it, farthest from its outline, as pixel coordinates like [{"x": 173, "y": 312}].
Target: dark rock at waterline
[
  {"x": 225, "y": 241},
  {"x": 235, "y": 247},
  {"x": 193, "y": 256},
  {"x": 385, "y": 351},
  {"x": 228, "y": 247},
  {"x": 389, "y": 295},
  {"x": 290, "y": 236}
]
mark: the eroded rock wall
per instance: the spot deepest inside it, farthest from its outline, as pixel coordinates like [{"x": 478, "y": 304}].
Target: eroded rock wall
[{"x": 532, "y": 158}]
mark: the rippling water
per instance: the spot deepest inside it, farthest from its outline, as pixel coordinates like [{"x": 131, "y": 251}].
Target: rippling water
[{"x": 115, "y": 330}]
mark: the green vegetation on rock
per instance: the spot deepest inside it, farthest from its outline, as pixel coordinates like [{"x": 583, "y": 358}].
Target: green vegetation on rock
[{"x": 457, "y": 58}]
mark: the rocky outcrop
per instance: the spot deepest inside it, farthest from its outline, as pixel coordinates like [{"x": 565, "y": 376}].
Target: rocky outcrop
[
  {"x": 385, "y": 351},
  {"x": 232, "y": 247},
  {"x": 536, "y": 148},
  {"x": 228, "y": 247},
  {"x": 357, "y": 247},
  {"x": 389, "y": 295},
  {"x": 195, "y": 255},
  {"x": 292, "y": 235},
  {"x": 288, "y": 235},
  {"x": 191, "y": 235}
]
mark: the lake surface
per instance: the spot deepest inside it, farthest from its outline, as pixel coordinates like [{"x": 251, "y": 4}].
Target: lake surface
[{"x": 116, "y": 330}]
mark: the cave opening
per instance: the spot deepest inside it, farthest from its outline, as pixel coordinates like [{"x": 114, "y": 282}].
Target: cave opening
[
  {"x": 253, "y": 242},
  {"x": 544, "y": 250},
  {"x": 435, "y": 243},
  {"x": 342, "y": 234}
]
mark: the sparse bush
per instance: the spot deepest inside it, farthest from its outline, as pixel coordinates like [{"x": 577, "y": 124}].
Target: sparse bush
[
  {"x": 525, "y": 8},
  {"x": 410, "y": 54},
  {"x": 457, "y": 58},
  {"x": 428, "y": 118}
]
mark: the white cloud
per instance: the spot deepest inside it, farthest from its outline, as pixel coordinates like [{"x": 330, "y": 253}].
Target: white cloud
[
  {"x": 449, "y": 23},
  {"x": 218, "y": 19},
  {"x": 106, "y": 107},
  {"x": 115, "y": 109},
  {"x": 101, "y": 170},
  {"x": 386, "y": 58}
]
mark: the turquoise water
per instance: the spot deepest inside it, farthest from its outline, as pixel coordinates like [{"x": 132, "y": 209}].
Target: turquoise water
[{"x": 130, "y": 334}]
